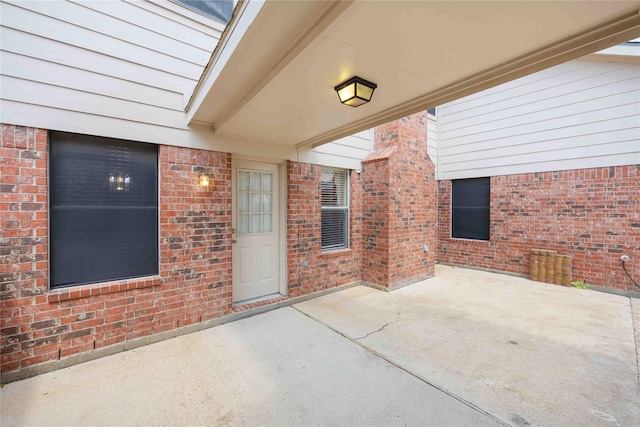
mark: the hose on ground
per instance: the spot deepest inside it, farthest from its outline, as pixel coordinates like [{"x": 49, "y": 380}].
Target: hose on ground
[{"x": 624, "y": 267}]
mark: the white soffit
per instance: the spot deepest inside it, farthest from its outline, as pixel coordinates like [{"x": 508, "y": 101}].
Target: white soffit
[{"x": 274, "y": 83}]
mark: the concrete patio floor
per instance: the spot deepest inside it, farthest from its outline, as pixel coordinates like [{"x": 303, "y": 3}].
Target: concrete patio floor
[{"x": 463, "y": 348}]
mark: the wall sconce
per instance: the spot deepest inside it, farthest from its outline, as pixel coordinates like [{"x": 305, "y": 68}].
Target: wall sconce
[
  {"x": 119, "y": 181},
  {"x": 355, "y": 91},
  {"x": 203, "y": 179}
]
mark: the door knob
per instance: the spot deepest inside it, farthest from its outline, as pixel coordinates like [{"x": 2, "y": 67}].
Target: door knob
[
  {"x": 234, "y": 240},
  {"x": 233, "y": 231}
]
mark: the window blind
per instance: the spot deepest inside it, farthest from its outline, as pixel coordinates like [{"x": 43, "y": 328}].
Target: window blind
[
  {"x": 101, "y": 231},
  {"x": 470, "y": 208},
  {"x": 335, "y": 209}
]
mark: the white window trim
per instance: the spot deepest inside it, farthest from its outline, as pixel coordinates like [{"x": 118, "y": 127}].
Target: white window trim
[{"x": 346, "y": 207}]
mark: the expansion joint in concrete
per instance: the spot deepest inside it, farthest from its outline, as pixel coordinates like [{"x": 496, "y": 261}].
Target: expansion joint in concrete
[
  {"x": 635, "y": 320},
  {"x": 403, "y": 368}
]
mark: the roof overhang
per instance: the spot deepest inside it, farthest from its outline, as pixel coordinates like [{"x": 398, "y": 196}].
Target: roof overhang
[{"x": 272, "y": 78}]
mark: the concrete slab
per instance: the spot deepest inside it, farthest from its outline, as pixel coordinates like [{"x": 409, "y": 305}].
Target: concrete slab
[
  {"x": 277, "y": 368},
  {"x": 527, "y": 352}
]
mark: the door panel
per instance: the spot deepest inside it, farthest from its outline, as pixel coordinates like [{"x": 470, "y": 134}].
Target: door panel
[
  {"x": 256, "y": 249},
  {"x": 266, "y": 256}
]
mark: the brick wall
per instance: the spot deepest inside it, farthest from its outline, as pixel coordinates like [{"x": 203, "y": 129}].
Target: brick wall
[
  {"x": 375, "y": 217},
  {"x": 194, "y": 280},
  {"x": 304, "y": 241},
  {"x": 27, "y": 336},
  {"x": 592, "y": 214},
  {"x": 399, "y": 205}
]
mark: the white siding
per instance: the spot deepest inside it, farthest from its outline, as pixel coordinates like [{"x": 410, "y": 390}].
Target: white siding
[
  {"x": 346, "y": 152},
  {"x": 123, "y": 69},
  {"x": 432, "y": 139},
  {"x": 117, "y": 64},
  {"x": 576, "y": 115}
]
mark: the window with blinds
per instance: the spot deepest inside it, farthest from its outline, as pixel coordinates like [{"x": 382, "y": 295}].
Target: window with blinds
[
  {"x": 103, "y": 209},
  {"x": 335, "y": 209},
  {"x": 470, "y": 208}
]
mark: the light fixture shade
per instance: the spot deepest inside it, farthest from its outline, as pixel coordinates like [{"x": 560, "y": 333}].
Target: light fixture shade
[
  {"x": 355, "y": 91},
  {"x": 203, "y": 179}
]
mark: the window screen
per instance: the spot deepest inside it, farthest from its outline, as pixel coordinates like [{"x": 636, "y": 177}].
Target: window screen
[
  {"x": 104, "y": 209},
  {"x": 335, "y": 209},
  {"x": 470, "y": 208}
]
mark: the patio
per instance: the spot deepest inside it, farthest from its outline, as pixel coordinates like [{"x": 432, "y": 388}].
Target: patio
[{"x": 463, "y": 348}]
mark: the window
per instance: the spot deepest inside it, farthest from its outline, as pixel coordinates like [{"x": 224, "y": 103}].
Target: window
[
  {"x": 335, "y": 209},
  {"x": 217, "y": 9},
  {"x": 470, "y": 208},
  {"x": 255, "y": 202},
  {"x": 104, "y": 209}
]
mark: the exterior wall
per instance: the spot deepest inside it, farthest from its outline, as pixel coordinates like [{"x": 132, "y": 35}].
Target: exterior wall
[
  {"x": 432, "y": 140},
  {"x": 304, "y": 241},
  {"x": 118, "y": 69},
  {"x": 591, "y": 214},
  {"x": 346, "y": 153},
  {"x": 399, "y": 205},
  {"x": 581, "y": 114},
  {"x": 194, "y": 280}
]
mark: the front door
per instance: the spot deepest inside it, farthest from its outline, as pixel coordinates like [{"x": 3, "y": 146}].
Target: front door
[{"x": 256, "y": 251}]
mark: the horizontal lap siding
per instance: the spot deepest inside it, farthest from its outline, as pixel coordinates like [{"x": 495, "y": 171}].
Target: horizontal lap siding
[
  {"x": 575, "y": 115},
  {"x": 113, "y": 63},
  {"x": 345, "y": 153},
  {"x": 432, "y": 140}
]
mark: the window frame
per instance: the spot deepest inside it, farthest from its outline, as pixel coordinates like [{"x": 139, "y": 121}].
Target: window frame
[
  {"x": 343, "y": 208},
  {"x": 486, "y": 209},
  {"x": 50, "y": 233}
]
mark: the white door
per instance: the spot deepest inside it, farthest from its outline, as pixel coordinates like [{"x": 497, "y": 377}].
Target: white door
[{"x": 256, "y": 251}]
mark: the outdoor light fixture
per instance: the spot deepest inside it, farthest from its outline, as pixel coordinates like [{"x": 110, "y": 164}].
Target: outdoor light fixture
[
  {"x": 119, "y": 181},
  {"x": 203, "y": 179},
  {"x": 355, "y": 91}
]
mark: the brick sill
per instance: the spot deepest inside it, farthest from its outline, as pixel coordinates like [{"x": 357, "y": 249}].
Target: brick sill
[
  {"x": 93, "y": 289},
  {"x": 459, "y": 239}
]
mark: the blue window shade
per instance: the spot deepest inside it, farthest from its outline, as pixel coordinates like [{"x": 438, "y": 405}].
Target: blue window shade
[
  {"x": 217, "y": 9},
  {"x": 99, "y": 233},
  {"x": 470, "y": 208}
]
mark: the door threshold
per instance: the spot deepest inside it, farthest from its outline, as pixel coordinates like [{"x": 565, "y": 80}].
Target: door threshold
[{"x": 258, "y": 299}]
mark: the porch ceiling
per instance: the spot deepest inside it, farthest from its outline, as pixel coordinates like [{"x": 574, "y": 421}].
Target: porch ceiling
[{"x": 273, "y": 80}]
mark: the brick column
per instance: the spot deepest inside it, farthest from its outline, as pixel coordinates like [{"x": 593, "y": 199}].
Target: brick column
[{"x": 399, "y": 205}]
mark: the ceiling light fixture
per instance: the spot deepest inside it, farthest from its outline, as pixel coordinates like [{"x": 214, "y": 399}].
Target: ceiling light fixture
[{"x": 355, "y": 91}]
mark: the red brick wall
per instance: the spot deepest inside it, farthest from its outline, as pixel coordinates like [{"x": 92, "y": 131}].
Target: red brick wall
[
  {"x": 27, "y": 337},
  {"x": 375, "y": 218},
  {"x": 194, "y": 280},
  {"x": 304, "y": 241},
  {"x": 399, "y": 205},
  {"x": 592, "y": 214}
]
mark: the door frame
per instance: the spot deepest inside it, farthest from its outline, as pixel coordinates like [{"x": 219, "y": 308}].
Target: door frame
[{"x": 282, "y": 217}]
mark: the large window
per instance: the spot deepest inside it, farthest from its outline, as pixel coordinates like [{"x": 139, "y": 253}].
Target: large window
[
  {"x": 470, "y": 208},
  {"x": 104, "y": 209},
  {"x": 335, "y": 209}
]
